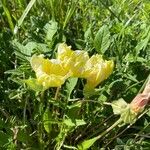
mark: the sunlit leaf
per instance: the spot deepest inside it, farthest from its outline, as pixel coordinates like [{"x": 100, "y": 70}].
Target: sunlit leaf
[
  {"x": 118, "y": 106},
  {"x": 70, "y": 85},
  {"x": 46, "y": 119},
  {"x": 102, "y": 39},
  {"x": 87, "y": 143}
]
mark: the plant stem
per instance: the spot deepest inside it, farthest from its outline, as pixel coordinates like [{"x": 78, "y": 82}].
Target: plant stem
[
  {"x": 57, "y": 92},
  {"x": 109, "y": 129},
  {"x": 40, "y": 126},
  {"x": 8, "y": 15}
]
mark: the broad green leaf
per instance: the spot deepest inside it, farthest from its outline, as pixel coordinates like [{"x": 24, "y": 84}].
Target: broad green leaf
[
  {"x": 127, "y": 116},
  {"x": 87, "y": 143},
  {"x": 43, "y": 48},
  {"x": 118, "y": 106},
  {"x": 70, "y": 85},
  {"x": 30, "y": 46},
  {"x": 46, "y": 119},
  {"x": 102, "y": 39},
  {"x": 21, "y": 51},
  {"x": 50, "y": 30}
]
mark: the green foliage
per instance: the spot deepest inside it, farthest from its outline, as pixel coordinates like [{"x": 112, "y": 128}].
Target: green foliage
[
  {"x": 33, "y": 119},
  {"x": 102, "y": 41},
  {"x": 120, "y": 107}
]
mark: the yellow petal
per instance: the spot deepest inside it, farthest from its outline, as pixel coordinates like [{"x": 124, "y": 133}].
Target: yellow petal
[
  {"x": 72, "y": 61},
  {"x": 49, "y": 73},
  {"x": 64, "y": 51},
  {"x": 53, "y": 66},
  {"x": 50, "y": 80},
  {"x": 97, "y": 70},
  {"x": 79, "y": 59}
]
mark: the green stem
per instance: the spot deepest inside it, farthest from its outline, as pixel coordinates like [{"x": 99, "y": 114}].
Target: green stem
[
  {"x": 88, "y": 143},
  {"x": 57, "y": 92},
  {"x": 8, "y": 15},
  {"x": 109, "y": 129},
  {"x": 40, "y": 126}
]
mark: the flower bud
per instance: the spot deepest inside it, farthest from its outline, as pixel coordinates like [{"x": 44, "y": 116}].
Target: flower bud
[{"x": 139, "y": 102}]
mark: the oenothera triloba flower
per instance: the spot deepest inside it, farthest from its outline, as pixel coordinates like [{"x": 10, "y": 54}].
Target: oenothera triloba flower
[
  {"x": 96, "y": 70},
  {"x": 72, "y": 61},
  {"x": 49, "y": 73},
  {"x": 69, "y": 63}
]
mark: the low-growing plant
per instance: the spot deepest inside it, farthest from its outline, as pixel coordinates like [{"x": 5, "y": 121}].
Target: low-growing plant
[{"x": 92, "y": 95}]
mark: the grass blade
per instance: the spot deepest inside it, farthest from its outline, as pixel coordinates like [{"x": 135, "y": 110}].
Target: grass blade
[
  {"x": 26, "y": 11},
  {"x": 6, "y": 10}
]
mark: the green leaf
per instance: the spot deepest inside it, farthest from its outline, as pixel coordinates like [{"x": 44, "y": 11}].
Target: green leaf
[
  {"x": 76, "y": 122},
  {"x": 70, "y": 85},
  {"x": 144, "y": 42},
  {"x": 127, "y": 116},
  {"x": 46, "y": 119},
  {"x": 50, "y": 30},
  {"x": 118, "y": 106},
  {"x": 87, "y": 143},
  {"x": 30, "y": 46},
  {"x": 69, "y": 13},
  {"x": 8, "y": 15},
  {"x": 102, "y": 39},
  {"x": 33, "y": 84},
  {"x": 25, "y": 13},
  {"x": 21, "y": 51},
  {"x": 43, "y": 48},
  {"x": 3, "y": 138}
]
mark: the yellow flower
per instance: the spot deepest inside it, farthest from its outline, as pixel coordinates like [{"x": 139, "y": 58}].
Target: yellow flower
[
  {"x": 72, "y": 61},
  {"x": 49, "y": 73},
  {"x": 97, "y": 70}
]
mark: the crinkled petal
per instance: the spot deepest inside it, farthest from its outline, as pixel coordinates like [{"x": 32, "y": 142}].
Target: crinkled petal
[
  {"x": 49, "y": 73},
  {"x": 98, "y": 70},
  {"x": 50, "y": 80},
  {"x": 64, "y": 51},
  {"x": 53, "y": 66},
  {"x": 73, "y": 61}
]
